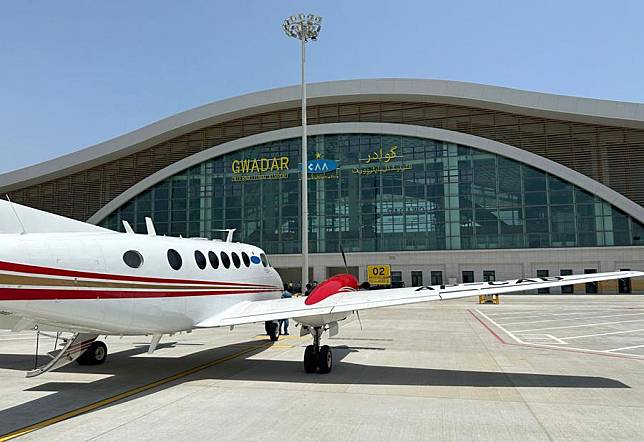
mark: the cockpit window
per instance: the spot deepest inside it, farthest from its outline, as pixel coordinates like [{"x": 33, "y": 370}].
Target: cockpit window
[
  {"x": 200, "y": 259},
  {"x": 225, "y": 260},
  {"x": 246, "y": 259},
  {"x": 174, "y": 259},
  {"x": 264, "y": 260},
  {"x": 133, "y": 259},
  {"x": 236, "y": 260},
  {"x": 214, "y": 261}
]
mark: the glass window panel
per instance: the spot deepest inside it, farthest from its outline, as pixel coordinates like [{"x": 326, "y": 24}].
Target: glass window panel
[
  {"x": 453, "y": 197},
  {"x": 535, "y": 198}
]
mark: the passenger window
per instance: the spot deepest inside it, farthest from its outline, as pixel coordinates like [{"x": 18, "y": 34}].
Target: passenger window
[
  {"x": 264, "y": 260},
  {"x": 214, "y": 261},
  {"x": 225, "y": 260},
  {"x": 174, "y": 259},
  {"x": 236, "y": 260},
  {"x": 200, "y": 259},
  {"x": 246, "y": 259},
  {"x": 133, "y": 259}
]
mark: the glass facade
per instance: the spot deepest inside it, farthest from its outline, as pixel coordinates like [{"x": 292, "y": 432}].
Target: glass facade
[{"x": 378, "y": 193}]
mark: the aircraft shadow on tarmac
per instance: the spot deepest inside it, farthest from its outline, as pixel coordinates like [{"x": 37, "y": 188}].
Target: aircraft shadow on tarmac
[{"x": 124, "y": 373}]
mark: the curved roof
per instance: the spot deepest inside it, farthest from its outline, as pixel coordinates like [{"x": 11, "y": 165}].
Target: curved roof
[
  {"x": 539, "y": 162},
  {"x": 587, "y": 110}
]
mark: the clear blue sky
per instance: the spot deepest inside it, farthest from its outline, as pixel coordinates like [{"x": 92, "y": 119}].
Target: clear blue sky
[{"x": 75, "y": 73}]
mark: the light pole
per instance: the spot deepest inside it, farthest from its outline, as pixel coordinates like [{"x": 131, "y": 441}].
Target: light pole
[{"x": 304, "y": 28}]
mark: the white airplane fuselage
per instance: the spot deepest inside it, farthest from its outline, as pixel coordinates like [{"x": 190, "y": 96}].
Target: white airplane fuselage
[{"x": 82, "y": 279}]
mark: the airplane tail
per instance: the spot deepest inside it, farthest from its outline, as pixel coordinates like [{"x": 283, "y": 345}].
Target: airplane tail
[{"x": 18, "y": 219}]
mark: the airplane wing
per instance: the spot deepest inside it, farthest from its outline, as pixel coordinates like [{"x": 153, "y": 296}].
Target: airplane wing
[{"x": 347, "y": 302}]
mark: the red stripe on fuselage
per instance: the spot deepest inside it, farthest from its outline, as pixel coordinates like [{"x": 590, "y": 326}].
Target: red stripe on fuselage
[
  {"x": 11, "y": 294},
  {"x": 50, "y": 271}
]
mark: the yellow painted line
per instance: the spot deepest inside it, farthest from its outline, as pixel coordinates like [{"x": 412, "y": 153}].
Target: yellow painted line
[
  {"x": 281, "y": 337},
  {"x": 125, "y": 395}
]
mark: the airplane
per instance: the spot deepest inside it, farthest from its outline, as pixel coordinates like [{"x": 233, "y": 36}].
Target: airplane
[{"x": 62, "y": 275}]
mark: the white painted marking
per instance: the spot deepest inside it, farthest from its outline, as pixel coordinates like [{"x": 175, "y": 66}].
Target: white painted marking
[
  {"x": 541, "y": 337},
  {"x": 573, "y": 319},
  {"x": 577, "y": 326},
  {"x": 625, "y": 348},
  {"x": 538, "y": 315},
  {"x": 500, "y": 327},
  {"x": 604, "y": 334},
  {"x": 557, "y": 347}
]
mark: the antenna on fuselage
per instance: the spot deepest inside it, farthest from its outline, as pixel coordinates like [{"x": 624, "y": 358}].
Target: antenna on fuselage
[
  {"x": 150, "y": 226},
  {"x": 127, "y": 226},
  {"x": 229, "y": 233},
  {"x": 13, "y": 209}
]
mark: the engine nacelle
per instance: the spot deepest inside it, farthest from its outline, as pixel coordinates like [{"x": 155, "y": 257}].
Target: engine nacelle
[{"x": 335, "y": 284}]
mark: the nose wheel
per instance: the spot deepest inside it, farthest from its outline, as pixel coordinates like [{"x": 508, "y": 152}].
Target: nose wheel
[{"x": 317, "y": 357}]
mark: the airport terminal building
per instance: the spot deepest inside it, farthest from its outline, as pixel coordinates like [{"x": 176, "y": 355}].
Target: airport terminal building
[{"x": 445, "y": 181}]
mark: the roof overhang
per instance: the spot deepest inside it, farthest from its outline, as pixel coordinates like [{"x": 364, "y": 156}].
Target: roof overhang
[{"x": 586, "y": 110}]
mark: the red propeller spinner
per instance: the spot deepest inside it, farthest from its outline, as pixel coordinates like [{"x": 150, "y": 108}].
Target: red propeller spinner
[{"x": 333, "y": 285}]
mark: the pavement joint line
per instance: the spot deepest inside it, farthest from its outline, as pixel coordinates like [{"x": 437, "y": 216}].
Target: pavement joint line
[
  {"x": 571, "y": 319},
  {"x": 126, "y": 394},
  {"x": 516, "y": 388},
  {"x": 577, "y": 326}
]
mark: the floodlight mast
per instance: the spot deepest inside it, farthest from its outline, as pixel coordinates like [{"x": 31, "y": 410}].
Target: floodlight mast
[{"x": 305, "y": 28}]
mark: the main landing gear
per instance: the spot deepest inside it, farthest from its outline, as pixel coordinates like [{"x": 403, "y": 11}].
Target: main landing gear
[
  {"x": 96, "y": 354},
  {"x": 272, "y": 330},
  {"x": 316, "y": 357}
]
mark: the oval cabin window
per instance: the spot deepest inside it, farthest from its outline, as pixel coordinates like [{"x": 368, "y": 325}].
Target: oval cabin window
[
  {"x": 246, "y": 259},
  {"x": 214, "y": 261},
  {"x": 236, "y": 260},
  {"x": 174, "y": 259},
  {"x": 225, "y": 260},
  {"x": 264, "y": 260},
  {"x": 200, "y": 259},
  {"x": 133, "y": 259}
]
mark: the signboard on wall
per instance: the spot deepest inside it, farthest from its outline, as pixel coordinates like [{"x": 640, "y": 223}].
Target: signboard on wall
[{"x": 379, "y": 274}]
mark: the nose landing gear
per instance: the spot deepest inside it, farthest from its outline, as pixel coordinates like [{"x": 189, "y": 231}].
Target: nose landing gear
[{"x": 316, "y": 356}]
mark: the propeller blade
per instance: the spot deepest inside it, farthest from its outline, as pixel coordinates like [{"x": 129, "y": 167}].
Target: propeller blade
[{"x": 344, "y": 258}]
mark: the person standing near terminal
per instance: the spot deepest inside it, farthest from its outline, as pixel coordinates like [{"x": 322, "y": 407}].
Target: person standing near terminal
[{"x": 284, "y": 322}]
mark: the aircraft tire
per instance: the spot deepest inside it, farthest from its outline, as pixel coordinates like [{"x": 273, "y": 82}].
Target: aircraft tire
[
  {"x": 96, "y": 354},
  {"x": 310, "y": 360},
  {"x": 273, "y": 330},
  {"x": 325, "y": 359}
]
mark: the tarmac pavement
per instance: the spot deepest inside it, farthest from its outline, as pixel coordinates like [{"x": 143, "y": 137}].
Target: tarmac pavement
[{"x": 536, "y": 368}]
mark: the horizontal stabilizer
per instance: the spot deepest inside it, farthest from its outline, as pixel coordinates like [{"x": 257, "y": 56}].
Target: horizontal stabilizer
[{"x": 15, "y": 218}]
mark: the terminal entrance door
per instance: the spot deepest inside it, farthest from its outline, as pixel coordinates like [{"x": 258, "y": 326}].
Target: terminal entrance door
[{"x": 416, "y": 278}]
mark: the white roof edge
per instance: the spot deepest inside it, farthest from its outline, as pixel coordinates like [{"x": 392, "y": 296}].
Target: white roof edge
[{"x": 587, "y": 110}]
